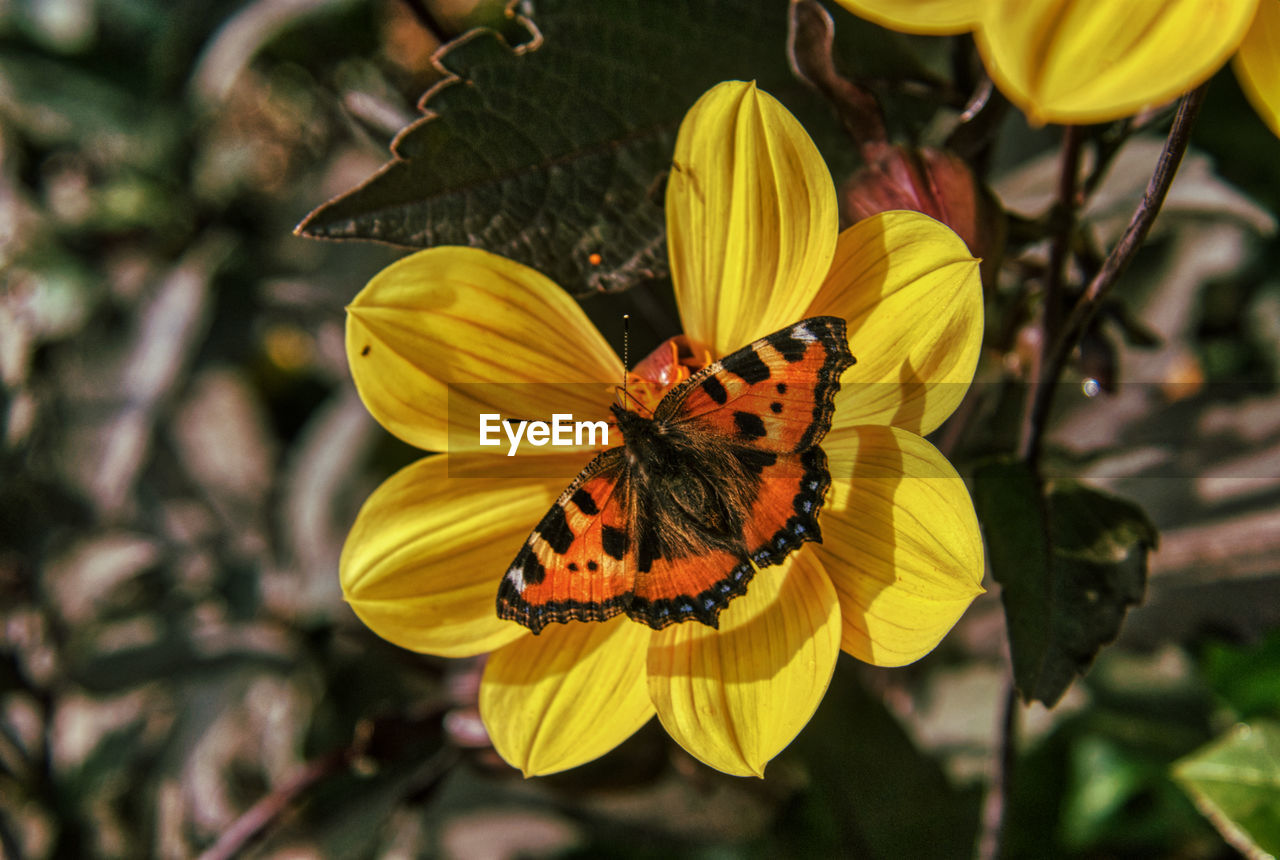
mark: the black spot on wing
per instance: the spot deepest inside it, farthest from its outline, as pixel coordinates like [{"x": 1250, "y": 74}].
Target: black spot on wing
[
  {"x": 749, "y": 424},
  {"x": 647, "y": 549},
  {"x": 508, "y": 598},
  {"x": 531, "y": 570},
  {"x": 782, "y": 388},
  {"x": 715, "y": 390},
  {"x": 788, "y": 347},
  {"x": 592, "y": 566},
  {"x": 554, "y": 529},
  {"x": 755, "y": 461},
  {"x": 585, "y": 503},
  {"x": 614, "y": 541},
  {"x": 747, "y": 365},
  {"x": 775, "y": 407}
]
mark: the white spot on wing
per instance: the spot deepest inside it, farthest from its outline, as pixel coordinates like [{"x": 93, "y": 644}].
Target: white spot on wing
[
  {"x": 802, "y": 333},
  {"x": 516, "y": 577}
]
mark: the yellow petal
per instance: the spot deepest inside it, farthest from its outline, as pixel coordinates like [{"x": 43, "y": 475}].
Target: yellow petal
[
  {"x": 566, "y": 696},
  {"x": 463, "y": 315},
  {"x": 900, "y": 542},
  {"x": 1258, "y": 64},
  {"x": 931, "y": 17},
  {"x": 422, "y": 563},
  {"x": 912, "y": 296},
  {"x": 735, "y": 697},
  {"x": 1082, "y": 62},
  {"x": 751, "y": 218}
]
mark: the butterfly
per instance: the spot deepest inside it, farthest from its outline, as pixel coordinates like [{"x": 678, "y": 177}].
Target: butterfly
[{"x": 726, "y": 476}]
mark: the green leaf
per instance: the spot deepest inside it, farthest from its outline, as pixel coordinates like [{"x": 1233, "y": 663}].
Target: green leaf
[
  {"x": 1070, "y": 561},
  {"x": 1099, "y": 785},
  {"x": 555, "y": 152},
  {"x": 1235, "y": 782},
  {"x": 1246, "y": 677}
]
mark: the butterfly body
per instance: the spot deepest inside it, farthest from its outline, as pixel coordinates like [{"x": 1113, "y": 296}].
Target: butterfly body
[
  {"x": 726, "y": 476},
  {"x": 689, "y": 492}
]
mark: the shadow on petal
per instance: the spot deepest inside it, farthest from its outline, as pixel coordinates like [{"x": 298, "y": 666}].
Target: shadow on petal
[
  {"x": 734, "y": 698},
  {"x": 901, "y": 543},
  {"x": 885, "y": 472},
  {"x": 911, "y": 294},
  {"x": 568, "y": 695},
  {"x": 801, "y": 598}
]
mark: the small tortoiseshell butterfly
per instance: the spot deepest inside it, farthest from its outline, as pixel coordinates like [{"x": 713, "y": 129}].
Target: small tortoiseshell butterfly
[{"x": 727, "y": 474}]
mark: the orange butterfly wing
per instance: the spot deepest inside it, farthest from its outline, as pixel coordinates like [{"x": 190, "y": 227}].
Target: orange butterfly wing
[
  {"x": 753, "y": 422},
  {"x": 573, "y": 565},
  {"x": 777, "y": 394},
  {"x": 773, "y": 400}
]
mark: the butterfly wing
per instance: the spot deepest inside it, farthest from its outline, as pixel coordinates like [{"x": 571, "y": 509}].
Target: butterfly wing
[
  {"x": 574, "y": 565},
  {"x": 695, "y": 587},
  {"x": 776, "y": 394},
  {"x": 754, "y": 421},
  {"x": 760, "y": 411},
  {"x": 774, "y": 399}
]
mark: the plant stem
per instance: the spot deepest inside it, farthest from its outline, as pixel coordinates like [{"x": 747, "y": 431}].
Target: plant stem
[
  {"x": 1055, "y": 359},
  {"x": 810, "y": 39},
  {"x": 995, "y": 804},
  {"x": 1062, "y": 223},
  {"x": 1064, "y": 230},
  {"x": 257, "y": 817}
]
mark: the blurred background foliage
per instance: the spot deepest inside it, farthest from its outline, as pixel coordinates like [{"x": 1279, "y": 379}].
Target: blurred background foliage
[{"x": 182, "y": 453}]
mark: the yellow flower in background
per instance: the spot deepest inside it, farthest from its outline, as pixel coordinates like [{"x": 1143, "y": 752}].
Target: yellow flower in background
[
  {"x": 1257, "y": 64},
  {"x": 752, "y": 230},
  {"x": 927, "y": 17},
  {"x": 1069, "y": 61}
]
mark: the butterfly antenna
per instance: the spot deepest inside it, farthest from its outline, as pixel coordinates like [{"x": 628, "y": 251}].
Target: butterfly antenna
[
  {"x": 626, "y": 354},
  {"x": 627, "y": 399}
]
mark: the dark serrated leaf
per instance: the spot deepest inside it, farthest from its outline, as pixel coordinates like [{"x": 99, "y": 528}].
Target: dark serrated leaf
[
  {"x": 1070, "y": 561},
  {"x": 1010, "y": 506},
  {"x": 556, "y": 151}
]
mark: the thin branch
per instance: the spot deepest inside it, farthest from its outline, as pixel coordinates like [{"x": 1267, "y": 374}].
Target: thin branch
[
  {"x": 257, "y": 817},
  {"x": 995, "y": 804},
  {"x": 1105, "y": 149},
  {"x": 1044, "y": 385},
  {"x": 810, "y": 40},
  {"x": 262, "y": 814},
  {"x": 975, "y": 133},
  {"x": 1062, "y": 224},
  {"x": 1140, "y": 225}
]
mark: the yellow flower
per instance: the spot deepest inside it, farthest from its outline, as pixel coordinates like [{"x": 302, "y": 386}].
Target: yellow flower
[
  {"x": 1069, "y": 61},
  {"x": 752, "y": 228}
]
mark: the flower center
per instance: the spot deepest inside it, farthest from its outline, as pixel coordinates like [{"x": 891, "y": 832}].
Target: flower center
[{"x": 675, "y": 360}]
